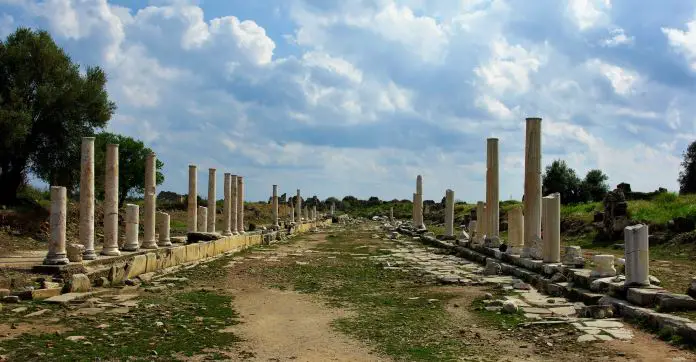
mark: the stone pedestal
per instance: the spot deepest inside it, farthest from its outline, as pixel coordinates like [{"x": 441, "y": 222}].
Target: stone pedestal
[
  {"x": 163, "y": 227},
  {"x": 202, "y": 219},
  {"x": 132, "y": 228},
  {"x": 110, "y": 247},
  {"x": 552, "y": 232},
  {"x": 573, "y": 257},
  {"x": 150, "y": 195},
  {"x": 298, "y": 207},
  {"x": 192, "y": 222},
  {"x": 212, "y": 202},
  {"x": 274, "y": 201},
  {"x": 449, "y": 213},
  {"x": 234, "y": 211},
  {"x": 57, "y": 254},
  {"x": 240, "y": 204},
  {"x": 604, "y": 266},
  {"x": 637, "y": 255},
  {"x": 492, "y": 193},
  {"x": 226, "y": 213},
  {"x": 532, "y": 189},
  {"x": 87, "y": 198},
  {"x": 515, "y": 231}
]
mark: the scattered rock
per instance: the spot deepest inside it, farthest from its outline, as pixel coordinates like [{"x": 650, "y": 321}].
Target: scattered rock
[
  {"x": 101, "y": 282},
  {"x": 146, "y": 277},
  {"x": 4, "y": 293},
  {"x": 488, "y": 296},
  {"x": 19, "y": 310},
  {"x": 194, "y": 237},
  {"x": 10, "y": 299},
  {"x": 75, "y": 338},
  {"x": 521, "y": 286},
  {"x": 492, "y": 268},
  {"x": 510, "y": 307},
  {"x": 78, "y": 283},
  {"x": 74, "y": 252}
]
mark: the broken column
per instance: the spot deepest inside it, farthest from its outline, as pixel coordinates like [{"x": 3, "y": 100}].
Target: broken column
[
  {"x": 202, "y": 219},
  {"x": 298, "y": 206},
  {"x": 56, "y": 245},
  {"x": 480, "y": 222},
  {"x": 492, "y": 193},
  {"x": 150, "y": 195},
  {"x": 637, "y": 255},
  {"x": 132, "y": 228},
  {"x": 192, "y": 223},
  {"x": 573, "y": 257},
  {"x": 515, "y": 231},
  {"x": 234, "y": 187},
  {"x": 413, "y": 209},
  {"x": 532, "y": 189},
  {"x": 274, "y": 201},
  {"x": 226, "y": 214},
  {"x": 212, "y": 202},
  {"x": 604, "y": 266},
  {"x": 551, "y": 206},
  {"x": 240, "y": 204},
  {"x": 87, "y": 198},
  {"x": 449, "y": 213},
  {"x": 163, "y": 228},
  {"x": 110, "y": 247}
]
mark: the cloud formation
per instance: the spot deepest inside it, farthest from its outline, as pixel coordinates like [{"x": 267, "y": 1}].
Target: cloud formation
[{"x": 338, "y": 98}]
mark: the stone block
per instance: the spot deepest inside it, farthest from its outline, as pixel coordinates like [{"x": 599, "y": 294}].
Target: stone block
[
  {"x": 78, "y": 283},
  {"x": 178, "y": 255},
  {"x": 194, "y": 237},
  {"x": 74, "y": 252},
  {"x": 41, "y": 294},
  {"x": 4, "y": 292},
  {"x": 669, "y": 302},
  {"x": 150, "y": 262},
  {"x": 136, "y": 266},
  {"x": 643, "y": 297},
  {"x": 117, "y": 274},
  {"x": 192, "y": 252}
]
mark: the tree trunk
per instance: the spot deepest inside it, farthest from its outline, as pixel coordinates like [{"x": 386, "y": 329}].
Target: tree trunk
[{"x": 10, "y": 180}]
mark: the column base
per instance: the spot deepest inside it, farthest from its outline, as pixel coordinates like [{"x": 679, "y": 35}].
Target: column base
[
  {"x": 110, "y": 252},
  {"x": 89, "y": 255},
  {"x": 130, "y": 248},
  {"x": 227, "y": 233},
  {"x": 164, "y": 243},
  {"x": 149, "y": 245},
  {"x": 57, "y": 259}
]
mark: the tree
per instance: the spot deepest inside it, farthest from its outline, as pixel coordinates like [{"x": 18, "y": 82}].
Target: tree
[
  {"x": 562, "y": 179},
  {"x": 46, "y": 107},
  {"x": 131, "y": 164},
  {"x": 687, "y": 175},
  {"x": 594, "y": 187}
]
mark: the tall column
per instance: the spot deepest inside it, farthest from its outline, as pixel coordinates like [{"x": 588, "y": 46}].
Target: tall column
[
  {"x": 110, "y": 246},
  {"x": 414, "y": 208},
  {"x": 233, "y": 204},
  {"x": 532, "y": 189},
  {"x": 240, "y": 204},
  {"x": 306, "y": 213},
  {"x": 192, "y": 224},
  {"x": 226, "y": 214},
  {"x": 391, "y": 213},
  {"x": 298, "y": 207},
  {"x": 419, "y": 207},
  {"x": 212, "y": 202},
  {"x": 419, "y": 184},
  {"x": 552, "y": 232},
  {"x": 56, "y": 245},
  {"x": 637, "y": 255},
  {"x": 515, "y": 230},
  {"x": 314, "y": 213},
  {"x": 202, "y": 219},
  {"x": 449, "y": 213},
  {"x": 292, "y": 213},
  {"x": 87, "y": 198},
  {"x": 149, "y": 239},
  {"x": 333, "y": 208},
  {"x": 132, "y": 228},
  {"x": 480, "y": 221},
  {"x": 163, "y": 227},
  {"x": 274, "y": 201},
  {"x": 492, "y": 193}
]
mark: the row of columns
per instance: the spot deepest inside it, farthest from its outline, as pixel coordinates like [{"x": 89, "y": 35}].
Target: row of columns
[{"x": 202, "y": 218}]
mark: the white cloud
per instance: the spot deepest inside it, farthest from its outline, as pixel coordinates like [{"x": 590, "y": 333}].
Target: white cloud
[
  {"x": 684, "y": 42},
  {"x": 617, "y": 37},
  {"x": 623, "y": 81},
  {"x": 589, "y": 13},
  {"x": 509, "y": 68}
]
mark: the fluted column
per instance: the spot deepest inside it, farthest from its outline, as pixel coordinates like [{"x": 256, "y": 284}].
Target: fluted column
[
  {"x": 492, "y": 192},
  {"x": 274, "y": 201},
  {"x": 532, "y": 189},
  {"x": 292, "y": 213},
  {"x": 226, "y": 213},
  {"x": 58, "y": 223},
  {"x": 449, "y": 213},
  {"x": 110, "y": 246},
  {"x": 212, "y": 204},
  {"x": 240, "y": 204},
  {"x": 233, "y": 204},
  {"x": 87, "y": 198},
  {"x": 132, "y": 228},
  {"x": 192, "y": 224},
  {"x": 149, "y": 238}
]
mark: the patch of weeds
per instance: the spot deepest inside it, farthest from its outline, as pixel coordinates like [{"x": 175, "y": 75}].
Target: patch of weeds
[{"x": 497, "y": 319}]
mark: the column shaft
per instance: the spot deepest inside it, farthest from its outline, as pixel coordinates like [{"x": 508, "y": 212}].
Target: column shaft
[
  {"x": 637, "y": 255},
  {"x": 492, "y": 191},
  {"x": 132, "y": 228},
  {"x": 212, "y": 202},
  {"x": 226, "y": 213},
  {"x": 87, "y": 198},
  {"x": 202, "y": 219},
  {"x": 163, "y": 227},
  {"x": 532, "y": 188},
  {"x": 274, "y": 202},
  {"x": 110, "y": 246},
  {"x": 234, "y": 188},
  {"x": 552, "y": 231},
  {"x": 298, "y": 207},
  {"x": 240, "y": 204},
  {"x": 192, "y": 224},
  {"x": 149, "y": 239},
  {"x": 449, "y": 213},
  {"x": 58, "y": 223}
]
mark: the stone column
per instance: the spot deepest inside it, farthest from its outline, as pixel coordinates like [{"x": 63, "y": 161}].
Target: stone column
[
  {"x": 449, "y": 213},
  {"x": 532, "y": 189},
  {"x": 492, "y": 193},
  {"x": 480, "y": 222},
  {"x": 306, "y": 213},
  {"x": 298, "y": 207},
  {"x": 274, "y": 201},
  {"x": 552, "y": 232},
  {"x": 315, "y": 217},
  {"x": 391, "y": 213},
  {"x": 163, "y": 227},
  {"x": 110, "y": 246},
  {"x": 292, "y": 213},
  {"x": 132, "y": 228},
  {"x": 87, "y": 198},
  {"x": 56, "y": 245},
  {"x": 515, "y": 231},
  {"x": 233, "y": 204},
  {"x": 333, "y": 208},
  {"x": 212, "y": 202},
  {"x": 192, "y": 225},
  {"x": 419, "y": 207},
  {"x": 226, "y": 214},
  {"x": 240, "y": 204},
  {"x": 149, "y": 238},
  {"x": 202, "y": 219},
  {"x": 604, "y": 266},
  {"x": 637, "y": 255},
  {"x": 413, "y": 209}
]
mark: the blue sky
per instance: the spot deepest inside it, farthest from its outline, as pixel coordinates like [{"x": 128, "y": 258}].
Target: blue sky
[{"x": 358, "y": 97}]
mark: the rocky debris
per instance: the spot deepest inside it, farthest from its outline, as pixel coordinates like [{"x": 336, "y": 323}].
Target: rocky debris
[
  {"x": 37, "y": 313},
  {"x": 101, "y": 282},
  {"x": 178, "y": 239},
  {"x": 595, "y": 311},
  {"x": 510, "y": 307},
  {"x": 10, "y": 299},
  {"x": 196, "y": 236},
  {"x": 4, "y": 293},
  {"x": 78, "y": 283},
  {"x": 75, "y": 338},
  {"x": 691, "y": 291},
  {"x": 74, "y": 252},
  {"x": 492, "y": 267}
]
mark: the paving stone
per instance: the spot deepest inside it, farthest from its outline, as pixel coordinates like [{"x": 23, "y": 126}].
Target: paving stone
[
  {"x": 88, "y": 311},
  {"x": 619, "y": 333},
  {"x": 603, "y": 324},
  {"x": 535, "y": 310},
  {"x": 586, "y": 338},
  {"x": 603, "y": 337},
  {"x": 564, "y": 311},
  {"x": 19, "y": 310},
  {"x": 68, "y": 297}
]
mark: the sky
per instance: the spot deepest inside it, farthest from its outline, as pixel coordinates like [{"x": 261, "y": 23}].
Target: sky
[{"x": 358, "y": 97}]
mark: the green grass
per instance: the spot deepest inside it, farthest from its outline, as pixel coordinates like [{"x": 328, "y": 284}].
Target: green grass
[{"x": 663, "y": 208}]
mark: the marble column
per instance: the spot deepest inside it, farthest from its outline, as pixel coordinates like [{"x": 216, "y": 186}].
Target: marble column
[
  {"x": 637, "y": 255},
  {"x": 492, "y": 193},
  {"x": 298, "y": 206},
  {"x": 233, "y": 204},
  {"x": 163, "y": 228},
  {"x": 306, "y": 213},
  {"x": 413, "y": 209},
  {"x": 110, "y": 247},
  {"x": 552, "y": 232},
  {"x": 391, "y": 213},
  {"x": 202, "y": 219},
  {"x": 515, "y": 231},
  {"x": 132, "y": 228},
  {"x": 532, "y": 189},
  {"x": 333, "y": 208},
  {"x": 58, "y": 219},
  {"x": 449, "y": 213},
  {"x": 292, "y": 213},
  {"x": 315, "y": 217},
  {"x": 87, "y": 198},
  {"x": 240, "y": 204},
  {"x": 604, "y": 266},
  {"x": 212, "y": 202},
  {"x": 226, "y": 214},
  {"x": 419, "y": 207},
  {"x": 480, "y": 222},
  {"x": 192, "y": 224},
  {"x": 274, "y": 201},
  {"x": 149, "y": 237}
]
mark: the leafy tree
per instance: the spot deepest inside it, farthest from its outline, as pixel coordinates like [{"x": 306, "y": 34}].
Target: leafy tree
[
  {"x": 131, "y": 164},
  {"x": 594, "y": 187},
  {"x": 687, "y": 175},
  {"x": 373, "y": 200},
  {"x": 562, "y": 179},
  {"x": 46, "y": 107}
]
